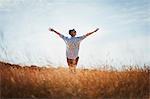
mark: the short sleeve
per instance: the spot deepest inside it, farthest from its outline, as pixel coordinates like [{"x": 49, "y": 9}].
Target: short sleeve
[
  {"x": 63, "y": 37},
  {"x": 82, "y": 37}
]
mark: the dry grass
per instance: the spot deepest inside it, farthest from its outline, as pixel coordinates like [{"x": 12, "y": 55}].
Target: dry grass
[{"x": 34, "y": 82}]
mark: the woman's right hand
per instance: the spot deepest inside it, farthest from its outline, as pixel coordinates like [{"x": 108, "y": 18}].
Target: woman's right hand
[
  {"x": 50, "y": 29},
  {"x": 96, "y": 30}
]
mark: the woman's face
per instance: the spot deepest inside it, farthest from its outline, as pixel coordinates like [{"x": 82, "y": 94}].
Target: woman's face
[{"x": 73, "y": 33}]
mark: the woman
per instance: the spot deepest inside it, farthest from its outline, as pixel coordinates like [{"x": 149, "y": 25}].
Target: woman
[{"x": 72, "y": 46}]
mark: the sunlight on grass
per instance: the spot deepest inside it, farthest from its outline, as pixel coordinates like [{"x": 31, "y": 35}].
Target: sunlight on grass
[{"x": 42, "y": 82}]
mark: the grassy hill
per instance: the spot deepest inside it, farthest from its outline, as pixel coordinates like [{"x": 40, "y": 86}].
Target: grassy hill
[{"x": 52, "y": 83}]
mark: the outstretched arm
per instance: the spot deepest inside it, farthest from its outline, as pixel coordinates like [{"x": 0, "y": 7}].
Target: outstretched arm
[
  {"x": 60, "y": 35},
  {"x": 50, "y": 29},
  {"x": 87, "y": 34},
  {"x": 92, "y": 32}
]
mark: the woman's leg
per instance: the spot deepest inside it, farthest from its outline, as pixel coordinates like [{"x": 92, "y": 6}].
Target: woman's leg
[
  {"x": 77, "y": 60},
  {"x": 69, "y": 61},
  {"x": 75, "y": 64}
]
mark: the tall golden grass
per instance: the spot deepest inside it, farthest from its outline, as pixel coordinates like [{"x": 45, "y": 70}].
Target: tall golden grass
[{"x": 42, "y": 82}]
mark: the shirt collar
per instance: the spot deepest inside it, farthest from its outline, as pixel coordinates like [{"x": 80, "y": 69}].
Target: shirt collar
[{"x": 72, "y": 37}]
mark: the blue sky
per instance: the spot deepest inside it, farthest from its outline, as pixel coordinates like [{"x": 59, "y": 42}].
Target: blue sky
[{"x": 123, "y": 37}]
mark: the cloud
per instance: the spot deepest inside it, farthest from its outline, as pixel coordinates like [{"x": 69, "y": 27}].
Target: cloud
[{"x": 123, "y": 31}]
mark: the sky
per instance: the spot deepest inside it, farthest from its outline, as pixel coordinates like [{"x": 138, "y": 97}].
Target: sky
[{"x": 123, "y": 38}]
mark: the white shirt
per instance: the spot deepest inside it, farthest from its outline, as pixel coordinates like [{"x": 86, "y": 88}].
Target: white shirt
[{"x": 72, "y": 45}]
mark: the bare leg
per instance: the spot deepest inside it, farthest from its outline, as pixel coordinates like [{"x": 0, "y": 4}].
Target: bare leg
[
  {"x": 72, "y": 63},
  {"x": 75, "y": 63},
  {"x": 74, "y": 68},
  {"x": 70, "y": 69}
]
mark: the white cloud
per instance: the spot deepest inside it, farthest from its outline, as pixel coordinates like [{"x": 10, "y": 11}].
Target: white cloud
[{"x": 120, "y": 38}]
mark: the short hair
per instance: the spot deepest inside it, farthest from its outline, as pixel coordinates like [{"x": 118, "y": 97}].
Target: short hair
[{"x": 72, "y": 31}]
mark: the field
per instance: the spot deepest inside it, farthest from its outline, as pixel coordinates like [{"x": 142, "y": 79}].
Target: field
[{"x": 41, "y": 82}]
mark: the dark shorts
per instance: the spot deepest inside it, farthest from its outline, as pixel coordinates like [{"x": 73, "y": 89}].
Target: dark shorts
[{"x": 72, "y": 61}]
